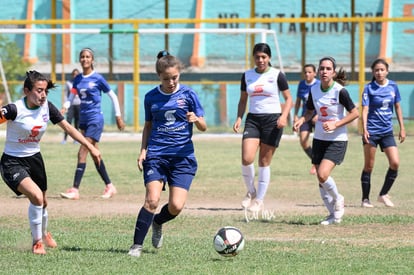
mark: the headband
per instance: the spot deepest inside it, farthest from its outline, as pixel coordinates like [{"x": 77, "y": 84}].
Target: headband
[{"x": 330, "y": 58}]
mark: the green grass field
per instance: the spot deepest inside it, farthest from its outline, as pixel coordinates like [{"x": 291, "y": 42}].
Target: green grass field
[{"x": 94, "y": 235}]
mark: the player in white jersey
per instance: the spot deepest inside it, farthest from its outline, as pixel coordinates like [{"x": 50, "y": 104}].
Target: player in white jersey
[
  {"x": 379, "y": 99},
  {"x": 330, "y": 100},
  {"x": 22, "y": 166},
  {"x": 264, "y": 124}
]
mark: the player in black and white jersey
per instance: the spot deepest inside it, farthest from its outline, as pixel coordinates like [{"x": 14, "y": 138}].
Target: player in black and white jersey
[
  {"x": 22, "y": 166},
  {"x": 330, "y": 100}
]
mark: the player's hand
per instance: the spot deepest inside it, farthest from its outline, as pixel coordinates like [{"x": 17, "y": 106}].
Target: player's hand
[
  {"x": 191, "y": 117},
  {"x": 120, "y": 123},
  {"x": 298, "y": 123},
  {"x": 401, "y": 136},
  {"x": 141, "y": 159},
  {"x": 236, "y": 125},
  {"x": 96, "y": 155}
]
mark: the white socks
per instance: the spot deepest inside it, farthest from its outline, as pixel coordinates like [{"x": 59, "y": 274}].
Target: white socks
[
  {"x": 35, "y": 220},
  {"x": 248, "y": 176},
  {"x": 44, "y": 221},
  {"x": 330, "y": 187},
  {"x": 327, "y": 200},
  {"x": 264, "y": 179}
]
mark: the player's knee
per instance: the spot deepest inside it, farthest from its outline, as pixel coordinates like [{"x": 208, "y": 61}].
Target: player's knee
[
  {"x": 175, "y": 209},
  {"x": 151, "y": 204}
]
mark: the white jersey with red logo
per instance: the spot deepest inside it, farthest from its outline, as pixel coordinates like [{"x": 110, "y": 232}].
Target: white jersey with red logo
[
  {"x": 25, "y": 126},
  {"x": 330, "y": 105},
  {"x": 263, "y": 90}
]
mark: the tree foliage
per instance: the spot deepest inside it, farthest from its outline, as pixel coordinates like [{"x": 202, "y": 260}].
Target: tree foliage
[{"x": 13, "y": 64}]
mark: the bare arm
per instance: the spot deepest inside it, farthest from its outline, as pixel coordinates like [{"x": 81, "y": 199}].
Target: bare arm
[
  {"x": 144, "y": 143},
  {"x": 398, "y": 112},
  {"x": 199, "y": 122},
  {"x": 282, "y": 121},
  {"x": 240, "y": 111},
  {"x": 76, "y": 135},
  {"x": 364, "y": 118}
]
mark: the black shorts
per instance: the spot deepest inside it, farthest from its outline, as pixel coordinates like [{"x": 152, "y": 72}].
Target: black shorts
[
  {"x": 14, "y": 170},
  {"x": 331, "y": 150},
  {"x": 263, "y": 127}
]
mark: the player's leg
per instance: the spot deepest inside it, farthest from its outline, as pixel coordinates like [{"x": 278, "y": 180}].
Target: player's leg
[
  {"x": 391, "y": 151},
  {"x": 369, "y": 161},
  {"x": 146, "y": 216},
  {"x": 249, "y": 149}
]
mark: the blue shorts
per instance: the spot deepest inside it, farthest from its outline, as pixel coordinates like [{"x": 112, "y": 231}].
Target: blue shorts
[
  {"x": 331, "y": 150},
  {"x": 176, "y": 171},
  {"x": 263, "y": 127},
  {"x": 92, "y": 129},
  {"x": 384, "y": 140},
  {"x": 307, "y": 126}
]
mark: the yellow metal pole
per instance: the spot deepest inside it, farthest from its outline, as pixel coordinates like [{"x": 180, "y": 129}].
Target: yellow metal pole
[
  {"x": 53, "y": 44},
  {"x": 252, "y": 25},
  {"x": 361, "y": 75},
  {"x": 136, "y": 79}
]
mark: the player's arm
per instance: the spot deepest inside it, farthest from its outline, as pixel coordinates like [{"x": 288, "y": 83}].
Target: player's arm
[
  {"x": 68, "y": 101},
  {"x": 146, "y": 131},
  {"x": 241, "y": 107},
  {"x": 57, "y": 118},
  {"x": 119, "y": 121},
  {"x": 398, "y": 112},
  {"x": 310, "y": 111},
  {"x": 349, "y": 105},
  {"x": 8, "y": 112}
]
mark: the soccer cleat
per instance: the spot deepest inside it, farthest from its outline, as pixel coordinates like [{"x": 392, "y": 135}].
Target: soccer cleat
[
  {"x": 38, "y": 248},
  {"x": 256, "y": 206},
  {"x": 312, "y": 171},
  {"x": 135, "y": 250},
  {"x": 328, "y": 220},
  {"x": 157, "y": 237},
  {"x": 248, "y": 199},
  {"x": 385, "y": 199},
  {"x": 339, "y": 207},
  {"x": 71, "y": 194},
  {"x": 49, "y": 241},
  {"x": 366, "y": 204},
  {"x": 109, "y": 191}
]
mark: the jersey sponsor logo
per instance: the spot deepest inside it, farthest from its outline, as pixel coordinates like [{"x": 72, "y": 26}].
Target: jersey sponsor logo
[
  {"x": 169, "y": 116},
  {"x": 258, "y": 89},
  {"x": 385, "y": 104}
]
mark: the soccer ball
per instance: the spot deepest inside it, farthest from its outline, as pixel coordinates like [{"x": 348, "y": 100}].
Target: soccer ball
[{"x": 228, "y": 241}]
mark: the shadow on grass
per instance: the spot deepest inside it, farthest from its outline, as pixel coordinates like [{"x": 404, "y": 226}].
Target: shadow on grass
[
  {"x": 214, "y": 208},
  {"x": 109, "y": 250}
]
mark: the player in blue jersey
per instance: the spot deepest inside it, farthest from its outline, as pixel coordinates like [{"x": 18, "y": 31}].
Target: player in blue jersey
[
  {"x": 167, "y": 151},
  {"x": 330, "y": 100},
  {"x": 266, "y": 118},
  {"x": 89, "y": 86},
  {"x": 379, "y": 99},
  {"x": 309, "y": 79},
  {"x": 22, "y": 166}
]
